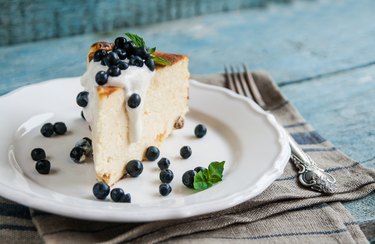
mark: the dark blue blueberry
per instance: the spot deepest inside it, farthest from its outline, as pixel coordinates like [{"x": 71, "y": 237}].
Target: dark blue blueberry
[
  {"x": 99, "y": 55},
  {"x": 200, "y": 131},
  {"x": 47, "y": 130},
  {"x": 102, "y": 62},
  {"x": 134, "y": 100},
  {"x": 59, "y": 128},
  {"x": 77, "y": 154},
  {"x": 165, "y": 189},
  {"x": 86, "y": 144},
  {"x": 101, "y": 78},
  {"x": 164, "y": 163},
  {"x": 88, "y": 140},
  {"x": 166, "y": 176},
  {"x": 152, "y": 153},
  {"x": 38, "y": 154},
  {"x": 188, "y": 178},
  {"x": 199, "y": 168},
  {"x": 121, "y": 53},
  {"x": 136, "y": 61},
  {"x": 117, "y": 194},
  {"x": 185, "y": 152},
  {"x": 100, "y": 190},
  {"x": 126, "y": 198},
  {"x": 82, "y": 99},
  {"x": 122, "y": 65},
  {"x": 141, "y": 52},
  {"x": 111, "y": 59},
  {"x": 82, "y": 115},
  {"x": 134, "y": 168},
  {"x": 129, "y": 47},
  {"x": 114, "y": 71},
  {"x": 43, "y": 166},
  {"x": 120, "y": 42},
  {"x": 150, "y": 64}
]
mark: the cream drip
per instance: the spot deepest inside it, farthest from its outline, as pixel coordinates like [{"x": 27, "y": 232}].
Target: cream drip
[{"x": 133, "y": 80}]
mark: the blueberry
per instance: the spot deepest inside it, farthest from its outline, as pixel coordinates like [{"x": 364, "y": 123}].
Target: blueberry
[
  {"x": 88, "y": 140},
  {"x": 77, "y": 154},
  {"x": 152, "y": 153},
  {"x": 199, "y": 168},
  {"x": 136, "y": 61},
  {"x": 164, "y": 163},
  {"x": 126, "y": 198},
  {"x": 117, "y": 194},
  {"x": 134, "y": 168},
  {"x": 120, "y": 42},
  {"x": 82, "y": 115},
  {"x": 38, "y": 154},
  {"x": 200, "y": 131},
  {"x": 43, "y": 166},
  {"x": 101, "y": 78},
  {"x": 121, "y": 53},
  {"x": 86, "y": 145},
  {"x": 114, "y": 71},
  {"x": 122, "y": 65},
  {"x": 185, "y": 152},
  {"x": 150, "y": 64},
  {"x": 102, "y": 62},
  {"x": 141, "y": 52},
  {"x": 99, "y": 55},
  {"x": 47, "y": 130},
  {"x": 101, "y": 190},
  {"x": 165, "y": 189},
  {"x": 134, "y": 100},
  {"x": 111, "y": 59},
  {"x": 82, "y": 99},
  {"x": 166, "y": 176},
  {"x": 59, "y": 128},
  {"x": 129, "y": 47},
  {"x": 188, "y": 178}
]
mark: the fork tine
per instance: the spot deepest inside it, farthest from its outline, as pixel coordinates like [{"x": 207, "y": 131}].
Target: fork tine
[
  {"x": 236, "y": 81},
  {"x": 253, "y": 88},
  {"x": 243, "y": 83},
  {"x": 229, "y": 80}
]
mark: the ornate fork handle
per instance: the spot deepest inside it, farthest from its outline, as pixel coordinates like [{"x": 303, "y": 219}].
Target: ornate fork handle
[{"x": 310, "y": 175}]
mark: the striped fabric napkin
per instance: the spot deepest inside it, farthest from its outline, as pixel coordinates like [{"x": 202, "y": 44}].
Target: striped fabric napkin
[{"x": 283, "y": 213}]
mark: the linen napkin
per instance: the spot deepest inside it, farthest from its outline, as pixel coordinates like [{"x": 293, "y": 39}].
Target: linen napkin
[{"x": 285, "y": 212}]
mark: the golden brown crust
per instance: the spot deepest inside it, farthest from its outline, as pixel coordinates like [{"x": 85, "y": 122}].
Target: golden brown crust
[
  {"x": 171, "y": 57},
  {"x": 106, "y": 91}
]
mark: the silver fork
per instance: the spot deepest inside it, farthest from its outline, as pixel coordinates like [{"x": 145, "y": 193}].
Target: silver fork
[{"x": 310, "y": 175}]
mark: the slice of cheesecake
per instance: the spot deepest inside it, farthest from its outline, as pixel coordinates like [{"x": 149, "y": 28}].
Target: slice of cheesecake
[{"x": 120, "y": 133}]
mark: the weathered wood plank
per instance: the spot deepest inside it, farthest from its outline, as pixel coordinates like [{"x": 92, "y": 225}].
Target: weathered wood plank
[
  {"x": 341, "y": 108},
  {"x": 24, "y": 21},
  {"x": 323, "y": 40}
]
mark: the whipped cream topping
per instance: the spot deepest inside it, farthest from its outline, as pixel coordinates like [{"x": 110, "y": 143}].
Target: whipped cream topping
[{"x": 133, "y": 80}]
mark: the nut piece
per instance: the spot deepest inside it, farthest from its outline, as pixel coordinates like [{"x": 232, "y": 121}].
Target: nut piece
[
  {"x": 99, "y": 46},
  {"x": 179, "y": 123}
]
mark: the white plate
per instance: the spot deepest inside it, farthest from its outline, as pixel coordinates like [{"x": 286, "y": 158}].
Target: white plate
[{"x": 251, "y": 142}]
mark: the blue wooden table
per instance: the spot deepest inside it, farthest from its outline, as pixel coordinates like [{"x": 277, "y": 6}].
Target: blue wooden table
[{"x": 323, "y": 60}]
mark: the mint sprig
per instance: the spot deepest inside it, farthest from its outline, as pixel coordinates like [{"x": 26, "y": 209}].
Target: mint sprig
[
  {"x": 208, "y": 177},
  {"x": 139, "y": 42}
]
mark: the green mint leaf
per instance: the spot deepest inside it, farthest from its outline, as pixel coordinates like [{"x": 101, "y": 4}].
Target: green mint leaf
[
  {"x": 152, "y": 50},
  {"x": 207, "y": 177},
  {"x": 137, "y": 40},
  {"x": 216, "y": 171},
  {"x": 161, "y": 61},
  {"x": 201, "y": 181}
]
